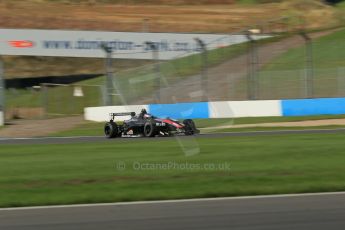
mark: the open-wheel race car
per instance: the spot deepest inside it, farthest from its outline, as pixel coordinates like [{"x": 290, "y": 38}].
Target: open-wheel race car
[{"x": 147, "y": 125}]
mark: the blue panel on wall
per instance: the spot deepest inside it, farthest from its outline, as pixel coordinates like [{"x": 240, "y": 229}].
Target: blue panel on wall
[
  {"x": 180, "y": 110},
  {"x": 320, "y": 106}
]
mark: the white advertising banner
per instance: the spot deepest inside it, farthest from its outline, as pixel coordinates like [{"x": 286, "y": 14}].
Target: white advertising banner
[
  {"x": 2, "y": 120},
  {"x": 125, "y": 45}
]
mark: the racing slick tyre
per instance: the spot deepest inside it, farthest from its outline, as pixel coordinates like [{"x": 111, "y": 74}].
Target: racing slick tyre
[
  {"x": 190, "y": 128},
  {"x": 111, "y": 130},
  {"x": 150, "y": 129}
]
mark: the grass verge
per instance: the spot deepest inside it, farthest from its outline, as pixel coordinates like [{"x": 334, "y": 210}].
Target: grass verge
[{"x": 134, "y": 170}]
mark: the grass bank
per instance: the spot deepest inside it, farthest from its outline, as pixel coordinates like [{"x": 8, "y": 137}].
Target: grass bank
[
  {"x": 288, "y": 71},
  {"x": 328, "y": 52}
]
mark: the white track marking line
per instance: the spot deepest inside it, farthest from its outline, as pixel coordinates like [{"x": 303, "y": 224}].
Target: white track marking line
[{"x": 175, "y": 201}]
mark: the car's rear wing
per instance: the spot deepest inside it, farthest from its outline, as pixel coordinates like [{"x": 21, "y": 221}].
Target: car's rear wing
[{"x": 113, "y": 115}]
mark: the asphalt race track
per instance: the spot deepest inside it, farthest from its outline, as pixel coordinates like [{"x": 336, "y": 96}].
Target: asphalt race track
[
  {"x": 88, "y": 139},
  {"x": 283, "y": 212}
]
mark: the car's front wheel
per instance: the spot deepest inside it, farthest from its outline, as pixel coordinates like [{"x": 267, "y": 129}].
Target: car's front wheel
[{"x": 111, "y": 130}]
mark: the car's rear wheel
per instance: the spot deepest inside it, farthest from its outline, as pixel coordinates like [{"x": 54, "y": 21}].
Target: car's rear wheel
[
  {"x": 149, "y": 129},
  {"x": 189, "y": 127},
  {"x": 111, "y": 130}
]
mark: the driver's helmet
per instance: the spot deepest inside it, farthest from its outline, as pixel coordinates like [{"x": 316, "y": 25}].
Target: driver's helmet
[
  {"x": 147, "y": 115},
  {"x": 144, "y": 114}
]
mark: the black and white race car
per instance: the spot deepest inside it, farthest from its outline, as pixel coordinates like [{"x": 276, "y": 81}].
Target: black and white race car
[{"x": 147, "y": 125}]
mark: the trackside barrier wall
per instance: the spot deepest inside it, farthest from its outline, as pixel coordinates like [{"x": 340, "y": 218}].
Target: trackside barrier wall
[
  {"x": 1, "y": 118},
  {"x": 102, "y": 113},
  {"x": 181, "y": 110},
  {"x": 228, "y": 109},
  {"x": 224, "y": 109},
  {"x": 319, "y": 106}
]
